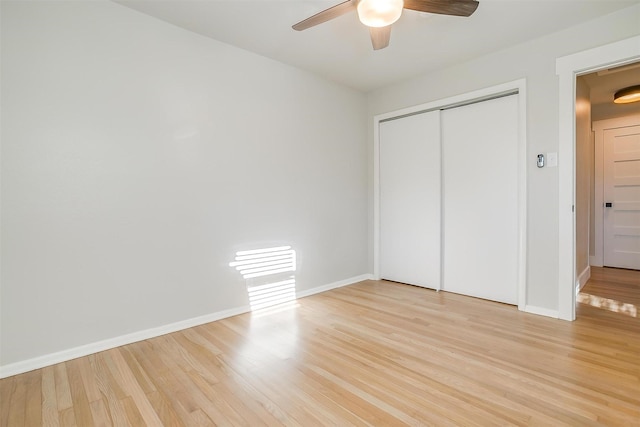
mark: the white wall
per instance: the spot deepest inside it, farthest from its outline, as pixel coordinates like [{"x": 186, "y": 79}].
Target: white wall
[
  {"x": 584, "y": 174},
  {"x": 535, "y": 61},
  {"x": 138, "y": 157}
]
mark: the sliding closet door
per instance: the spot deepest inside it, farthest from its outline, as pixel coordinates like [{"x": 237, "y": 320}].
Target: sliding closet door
[
  {"x": 480, "y": 173},
  {"x": 410, "y": 200}
]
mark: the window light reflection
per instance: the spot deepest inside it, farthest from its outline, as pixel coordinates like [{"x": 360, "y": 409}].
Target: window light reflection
[
  {"x": 608, "y": 304},
  {"x": 272, "y": 294},
  {"x": 264, "y": 271},
  {"x": 264, "y": 262}
]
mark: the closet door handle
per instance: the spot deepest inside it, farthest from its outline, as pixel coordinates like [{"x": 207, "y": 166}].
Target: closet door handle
[{"x": 608, "y": 205}]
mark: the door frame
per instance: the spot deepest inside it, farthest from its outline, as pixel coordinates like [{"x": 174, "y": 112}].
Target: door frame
[
  {"x": 599, "y": 126},
  {"x": 567, "y": 69},
  {"x": 516, "y": 86}
]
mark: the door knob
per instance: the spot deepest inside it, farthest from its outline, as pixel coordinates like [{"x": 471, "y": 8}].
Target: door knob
[{"x": 608, "y": 205}]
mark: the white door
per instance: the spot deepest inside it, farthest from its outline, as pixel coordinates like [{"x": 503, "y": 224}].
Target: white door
[
  {"x": 622, "y": 197},
  {"x": 410, "y": 200},
  {"x": 480, "y": 197}
]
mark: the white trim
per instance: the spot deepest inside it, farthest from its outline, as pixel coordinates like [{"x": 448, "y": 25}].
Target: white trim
[
  {"x": 598, "y": 196},
  {"x": 541, "y": 311},
  {"x": 619, "y": 122},
  {"x": 442, "y": 213},
  {"x": 567, "y": 68},
  {"x": 598, "y": 129},
  {"x": 376, "y": 197},
  {"x": 84, "y": 350},
  {"x": 522, "y": 194},
  {"x": 584, "y": 277},
  {"x": 593, "y": 261},
  {"x": 513, "y": 86},
  {"x": 334, "y": 285}
]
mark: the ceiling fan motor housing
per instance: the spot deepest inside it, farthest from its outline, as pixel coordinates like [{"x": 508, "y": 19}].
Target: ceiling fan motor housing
[{"x": 379, "y": 13}]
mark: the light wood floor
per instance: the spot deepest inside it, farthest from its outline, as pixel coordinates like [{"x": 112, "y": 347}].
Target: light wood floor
[{"x": 375, "y": 353}]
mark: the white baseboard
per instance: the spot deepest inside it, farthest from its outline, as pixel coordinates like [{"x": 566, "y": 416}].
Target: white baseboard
[
  {"x": 541, "y": 311},
  {"x": 84, "y": 350},
  {"x": 595, "y": 261},
  {"x": 334, "y": 285},
  {"x": 584, "y": 277}
]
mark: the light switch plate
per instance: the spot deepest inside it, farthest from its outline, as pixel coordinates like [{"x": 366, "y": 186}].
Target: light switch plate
[{"x": 552, "y": 160}]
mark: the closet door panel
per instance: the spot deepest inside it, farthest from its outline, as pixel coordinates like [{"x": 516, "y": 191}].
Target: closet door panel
[
  {"x": 410, "y": 205},
  {"x": 480, "y": 199}
]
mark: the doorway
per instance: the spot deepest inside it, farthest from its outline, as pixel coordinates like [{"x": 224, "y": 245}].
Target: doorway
[
  {"x": 607, "y": 218},
  {"x": 568, "y": 68}
]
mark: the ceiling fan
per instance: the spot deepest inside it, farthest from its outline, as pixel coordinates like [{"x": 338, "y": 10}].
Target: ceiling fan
[{"x": 378, "y": 15}]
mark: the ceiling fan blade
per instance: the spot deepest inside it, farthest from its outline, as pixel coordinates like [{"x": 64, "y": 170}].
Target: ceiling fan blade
[
  {"x": 326, "y": 15},
  {"x": 443, "y": 7},
  {"x": 380, "y": 36}
]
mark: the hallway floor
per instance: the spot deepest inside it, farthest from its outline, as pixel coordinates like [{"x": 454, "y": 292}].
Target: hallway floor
[{"x": 614, "y": 290}]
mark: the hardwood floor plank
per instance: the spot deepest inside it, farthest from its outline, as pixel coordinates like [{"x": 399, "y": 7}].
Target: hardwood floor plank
[
  {"x": 63, "y": 392},
  {"x": 79, "y": 396},
  {"x": 133, "y": 414},
  {"x": 133, "y": 389},
  {"x": 17, "y": 403},
  {"x": 139, "y": 373},
  {"x": 205, "y": 373},
  {"x": 164, "y": 379},
  {"x": 33, "y": 404},
  {"x": 88, "y": 378},
  {"x": 180, "y": 367},
  {"x": 201, "y": 419},
  {"x": 164, "y": 410},
  {"x": 397, "y": 376},
  {"x": 50, "y": 415},
  {"x": 370, "y": 354},
  {"x": 68, "y": 418},
  {"x": 110, "y": 390},
  {"x": 100, "y": 414},
  {"x": 7, "y": 389},
  {"x": 237, "y": 369},
  {"x": 234, "y": 387},
  {"x": 326, "y": 407}
]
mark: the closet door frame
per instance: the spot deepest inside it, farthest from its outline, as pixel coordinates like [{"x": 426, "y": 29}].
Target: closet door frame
[{"x": 517, "y": 86}]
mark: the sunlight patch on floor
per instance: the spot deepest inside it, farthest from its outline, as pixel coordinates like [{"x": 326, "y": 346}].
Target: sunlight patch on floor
[{"x": 608, "y": 304}]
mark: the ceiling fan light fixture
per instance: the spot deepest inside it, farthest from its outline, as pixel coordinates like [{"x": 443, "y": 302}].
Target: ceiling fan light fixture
[
  {"x": 627, "y": 95},
  {"x": 379, "y": 13}
]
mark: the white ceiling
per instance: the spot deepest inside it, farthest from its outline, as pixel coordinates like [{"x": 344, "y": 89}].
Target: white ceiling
[
  {"x": 340, "y": 50},
  {"x": 604, "y": 83}
]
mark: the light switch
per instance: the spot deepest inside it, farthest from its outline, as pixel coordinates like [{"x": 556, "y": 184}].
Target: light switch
[{"x": 552, "y": 160}]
